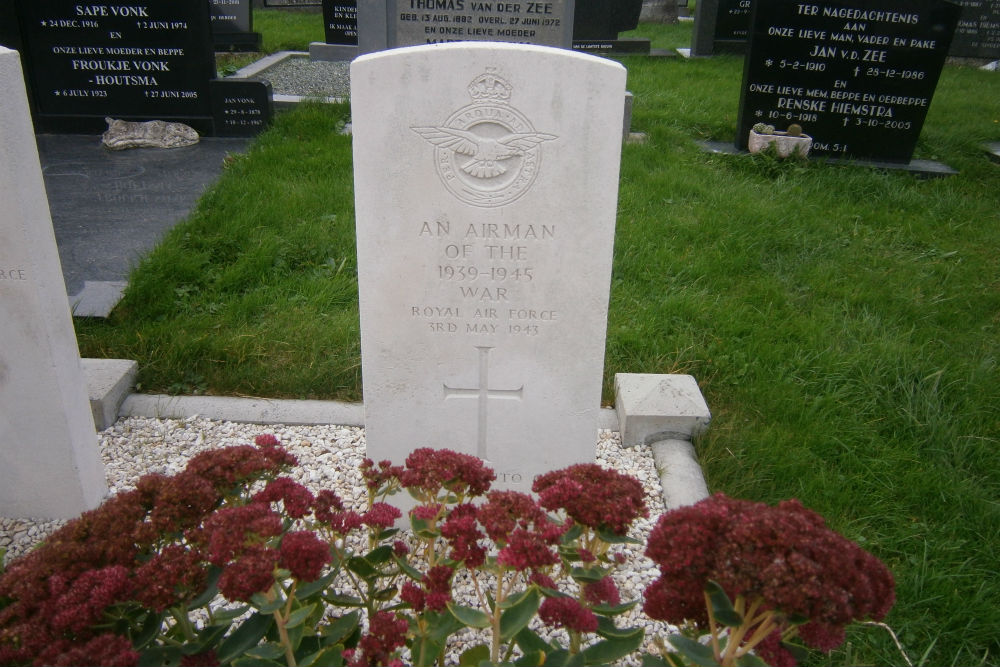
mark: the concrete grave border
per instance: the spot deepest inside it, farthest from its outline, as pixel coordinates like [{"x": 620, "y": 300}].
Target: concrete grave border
[{"x": 664, "y": 412}]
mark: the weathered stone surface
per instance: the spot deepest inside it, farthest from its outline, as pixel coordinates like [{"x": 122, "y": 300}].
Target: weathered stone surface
[
  {"x": 486, "y": 190},
  {"x": 49, "y": 462},
  {"x": 125, "y": 134}
]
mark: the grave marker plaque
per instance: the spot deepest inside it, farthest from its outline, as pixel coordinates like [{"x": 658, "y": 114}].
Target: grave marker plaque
[
  {"x": 858, "y": 78},
  {"x": 978, "y": 32},
  {"x": 414, "y": 22},
  {"x": 486, "y": 190},
  {"x": 241, "y": 107}
]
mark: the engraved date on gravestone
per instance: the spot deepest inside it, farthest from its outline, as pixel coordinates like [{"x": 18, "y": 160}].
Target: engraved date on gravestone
[{"x": 486, "y": 268}]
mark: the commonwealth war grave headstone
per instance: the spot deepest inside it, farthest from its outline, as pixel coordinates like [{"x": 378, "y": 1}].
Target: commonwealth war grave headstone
[
  {"x": 50, "y": 466},
  {"x": 86, "y": 62},
  {"x": 859, "y": 80},
  {"x": 978, "y": 32},
  {"x": 486, "y": 191}
]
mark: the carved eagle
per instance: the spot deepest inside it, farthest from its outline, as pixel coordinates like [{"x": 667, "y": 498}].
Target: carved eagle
[{"x": 486, "y": 153}]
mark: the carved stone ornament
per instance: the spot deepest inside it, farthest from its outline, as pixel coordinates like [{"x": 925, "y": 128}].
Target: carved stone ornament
[{"x": 124, "y": 134}]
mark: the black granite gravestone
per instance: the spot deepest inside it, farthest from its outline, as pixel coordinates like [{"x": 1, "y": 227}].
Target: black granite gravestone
[
  {"x": 978, "y": 32},
  {"x": 86, "y": 62},
  {"x": 596, "y": 24},
  {"x": 241, "y": 107},
  {"x": 292, "y": 3},
  {"x": 10, "y": 35},
  {"x": 858, "y": 78},
  {"x": 340, "y": 21},
  {"x": 720, "y": 26},
  {"x": 232, "y": 26}
]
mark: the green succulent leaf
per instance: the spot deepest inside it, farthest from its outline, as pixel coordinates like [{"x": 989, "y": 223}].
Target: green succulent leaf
[
  {"x": 304, "y": 591},
  {"x": 225, "y": 616},
  {"x": 469, "y": 616},
  {"x": 613, "y": 610},
  {"x": 329, "y": 656},
  {"x": 260, "y": 602},
  {"x": 529, "y": 641},
  {"x": 344, "y": 600},
  {"x": 722, "y": 608},
  {"x": 607, "y": 629},
  {"x": 160, "y": 655},
  {"x": 361, "y": 567},
  {"x": 298, "y": 617},
  {"x": 531, "y": 659},
  {"x": 267, "y": 651},
  {"x": 697, "y": 653},
  {"x": 610, "y": 538},
  {"x": 341, "y": 628},
  {"x": 244, "y": 637},
  {"x": 588, "y": 575},
  {"x": 379, "y": 555},
  {"x": 249, "y": 661},
  {"x": 607, "y": 651},
  {"x": 475, "y": 655},
  {"x": 516, "y": 617}
]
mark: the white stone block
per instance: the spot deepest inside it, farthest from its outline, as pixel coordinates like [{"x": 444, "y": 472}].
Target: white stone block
[
  {"x": 50, "y": 466},
  {"x": 654, "y": 407},
  {"x": 486, "y": 182}
]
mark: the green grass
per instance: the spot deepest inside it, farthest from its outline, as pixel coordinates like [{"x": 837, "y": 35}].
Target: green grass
[{"x": 842, "y": 322}]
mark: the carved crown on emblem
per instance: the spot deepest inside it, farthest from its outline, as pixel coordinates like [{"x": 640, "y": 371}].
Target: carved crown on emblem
[{"x": 490, "y": 87}]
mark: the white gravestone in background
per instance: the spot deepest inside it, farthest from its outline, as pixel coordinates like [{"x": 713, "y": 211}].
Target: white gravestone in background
[
  {"x": 50, "y": 466},
  {"x": 486, "y": 183}
]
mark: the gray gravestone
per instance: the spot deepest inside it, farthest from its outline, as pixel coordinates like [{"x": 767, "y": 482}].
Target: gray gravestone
[
  {"x": 49, "y": 462},
  {"x": 389, "y": 24},
  {"x": 486, "y": 191}
]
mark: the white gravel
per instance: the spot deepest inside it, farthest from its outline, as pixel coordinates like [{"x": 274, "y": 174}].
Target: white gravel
[{"x": 329, "y": 457}]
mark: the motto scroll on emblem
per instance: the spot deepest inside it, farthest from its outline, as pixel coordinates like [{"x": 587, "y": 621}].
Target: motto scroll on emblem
[{"x": 487, "y": 153}]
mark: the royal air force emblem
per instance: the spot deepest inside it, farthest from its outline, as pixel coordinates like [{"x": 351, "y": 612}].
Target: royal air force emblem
[{"x": 487, "y": 153}]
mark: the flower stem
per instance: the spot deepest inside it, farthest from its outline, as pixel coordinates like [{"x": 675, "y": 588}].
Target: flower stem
[{"x": 279, "y": 620}]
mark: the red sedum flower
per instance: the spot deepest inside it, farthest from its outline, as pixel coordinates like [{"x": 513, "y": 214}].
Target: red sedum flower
[
  {"x": 381, "y": 515},
  {"x": 303, "y": 554},
  {"x": 567, "y": 613},
  {"x": 252, "y": 572},
  {"x": 784, "y": 556},
  {"x": 431, "y": 470},
  {"x": 593, "y": 496},
  {"x": 297, "y": 499}
]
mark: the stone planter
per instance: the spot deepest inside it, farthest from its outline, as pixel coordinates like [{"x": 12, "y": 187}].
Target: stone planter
[{"x": 783, "y": 142}]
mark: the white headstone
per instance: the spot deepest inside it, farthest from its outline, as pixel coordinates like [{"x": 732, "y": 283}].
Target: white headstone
[
  {"x": 486, "y": 183},
  {"x": 50, "y": 466}
]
